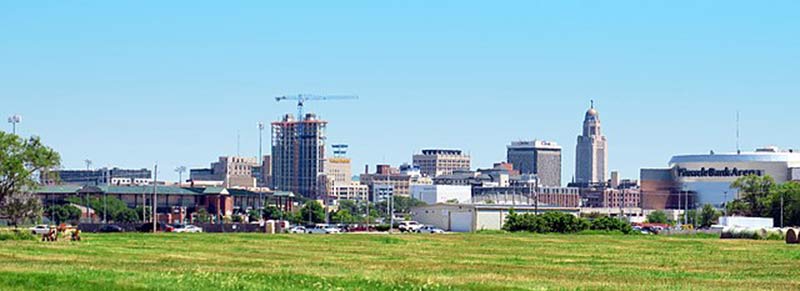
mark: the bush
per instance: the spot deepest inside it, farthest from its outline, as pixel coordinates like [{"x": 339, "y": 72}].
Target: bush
[
  {"x": 657, "y": 217},
  {"x": 549, "y": 222},
  {"x": 16, "y": 235},
  {"x": 611, "y": 224}
]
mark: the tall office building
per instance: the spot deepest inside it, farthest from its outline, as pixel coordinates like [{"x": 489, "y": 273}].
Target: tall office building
[
  {"x": 298, "y": 154},
  {"x": 542, "y": 158},
  {"x": 591, "y": 153},
  {"x": 435, "y": 162}
]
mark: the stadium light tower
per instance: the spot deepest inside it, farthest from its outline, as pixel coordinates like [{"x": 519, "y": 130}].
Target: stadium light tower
[{"x": 14, "y": 119}]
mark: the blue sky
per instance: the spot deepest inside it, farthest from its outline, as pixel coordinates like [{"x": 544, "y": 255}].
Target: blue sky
[{"x": 131, "y": 83}]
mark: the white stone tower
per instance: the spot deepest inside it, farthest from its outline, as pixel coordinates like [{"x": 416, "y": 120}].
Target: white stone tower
[{"x": 591, "y": 152}]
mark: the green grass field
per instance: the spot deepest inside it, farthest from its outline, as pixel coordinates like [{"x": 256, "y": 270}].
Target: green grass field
[{"x": 398, "y": 262}]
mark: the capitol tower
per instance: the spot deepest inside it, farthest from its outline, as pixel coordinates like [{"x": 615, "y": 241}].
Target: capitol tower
[{"x": 591, "y": 153}]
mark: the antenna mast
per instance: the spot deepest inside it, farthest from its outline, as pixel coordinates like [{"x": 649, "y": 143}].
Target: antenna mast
[{"x": 738, "y": 149}]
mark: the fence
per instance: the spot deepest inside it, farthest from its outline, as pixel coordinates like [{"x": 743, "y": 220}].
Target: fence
[{"x": 207, "y": 227}]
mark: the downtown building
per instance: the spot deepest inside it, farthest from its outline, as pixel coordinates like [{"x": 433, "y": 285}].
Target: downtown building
[
  {"x": 337, "y": 183},
  {"x": 388, "y": 181},
  {"x": 231, "y": 172},
  {"x": 298, "y": 155},
  {"x": 693, "y": 180},
  {"x": 541, "y": 158},
  {"x": 102, "y": 176},
  {"x": 591, "y": 152},
  {"x": 435, "y": 162}
]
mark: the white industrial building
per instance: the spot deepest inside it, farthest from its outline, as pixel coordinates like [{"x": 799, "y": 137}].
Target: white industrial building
[
  {"x": 474, "y": 217},
  {"x": 432, "y": 194}
]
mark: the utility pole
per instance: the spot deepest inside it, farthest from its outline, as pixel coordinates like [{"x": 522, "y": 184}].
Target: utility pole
[
  {"x": 155, "y": 197},
  {"x": 14, "y": 119}
]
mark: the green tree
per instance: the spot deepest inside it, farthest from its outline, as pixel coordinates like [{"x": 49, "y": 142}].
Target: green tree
[
  {"x": 22, "y": 207},
  {"x": 63, "y": 213},
  {"x": 404, "y": 204},
  {"x": 343, "y": 216},
  {"x": 202, "y": 216},
  {"x": 21, "y": 162},
  {"x": 143, "y": 213},
  {"x": 708, "y": 216},
  {"x": 657, "y": 216},
  {"x": 790, "y": 193},
  {"x": 737, "y": 207},
  {"x": 754, "y": 191},
  {"x": 312, "y": 211},
  {"x": 108, "y": 207},
  {"x": 272, "y": 212}
]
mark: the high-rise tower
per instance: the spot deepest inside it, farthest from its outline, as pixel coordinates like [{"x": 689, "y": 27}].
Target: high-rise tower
[
  {"x": 591, "y": 153},
  {"x": 298, "y": 154}
]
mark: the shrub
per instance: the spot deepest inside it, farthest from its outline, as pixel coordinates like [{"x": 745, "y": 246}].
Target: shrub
[
  {"x": 16, "y": 235},
  {"x": 611, "y": 224},
  {"x": 548, "y": 222}
]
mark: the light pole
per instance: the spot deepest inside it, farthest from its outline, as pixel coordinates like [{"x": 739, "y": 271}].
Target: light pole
[
  {"x": 155, "y": 197},
  {"x": 14, "y": 119},
  {"x": 781, "y": 210},
  {"x": 260, "y": 160}
]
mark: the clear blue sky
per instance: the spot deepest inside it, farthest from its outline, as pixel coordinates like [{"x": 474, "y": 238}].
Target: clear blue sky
[{"x": 128, "y": 84}]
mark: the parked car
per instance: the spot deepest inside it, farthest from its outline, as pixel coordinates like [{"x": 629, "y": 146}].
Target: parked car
[
  {"x": 110, "y": 228},
  {"x": 40, "y": 229},
  {"x": 429, "y": 229},
  {"x": 408, "y": 226},
  {"x": 323, "y": 229},
  {"x": 360, "y": 228},
  {"x": 148, "y": 227},
  {"x": 187, "y": 228},
  {"x": 297, "y": 229}
]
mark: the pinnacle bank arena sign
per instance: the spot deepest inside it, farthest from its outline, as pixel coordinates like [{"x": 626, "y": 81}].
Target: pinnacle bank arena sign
[{"x": 712, "y": 172}]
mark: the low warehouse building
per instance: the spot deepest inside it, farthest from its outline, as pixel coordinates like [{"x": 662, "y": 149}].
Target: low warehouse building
[{"x": 474, "y": 217}]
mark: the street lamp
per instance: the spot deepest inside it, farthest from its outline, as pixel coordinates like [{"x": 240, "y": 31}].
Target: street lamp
[
  {"x": 260, "y": 160},
  {"x": 14, "y": 119}
]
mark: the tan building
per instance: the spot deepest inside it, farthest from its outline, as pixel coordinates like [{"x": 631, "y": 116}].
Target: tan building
[
  {"x": 399, "y": 181},
  {"x": 339, "y": 170},
  {"x": 231, "y": 171},
  {"x": 435, "y": 162},
  {"x": 350, "y": 191}
]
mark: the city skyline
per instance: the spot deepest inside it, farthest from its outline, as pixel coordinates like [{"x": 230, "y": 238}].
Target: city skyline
[{"x": 129, "y": 93}]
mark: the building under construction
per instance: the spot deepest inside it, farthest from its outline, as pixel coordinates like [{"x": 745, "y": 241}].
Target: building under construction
[{"x": 298, "y": 154}]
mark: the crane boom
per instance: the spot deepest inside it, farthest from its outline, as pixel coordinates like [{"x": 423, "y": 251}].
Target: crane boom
[{"x": 302, "y": 98}]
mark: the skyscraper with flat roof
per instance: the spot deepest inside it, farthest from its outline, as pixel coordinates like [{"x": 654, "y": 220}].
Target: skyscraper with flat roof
[
  {"x": 298, "y": 154},
  {"x": 542, "y": 158}
]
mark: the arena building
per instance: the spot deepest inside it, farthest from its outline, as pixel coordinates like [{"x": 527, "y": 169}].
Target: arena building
[{"x": 702, "y": 179}]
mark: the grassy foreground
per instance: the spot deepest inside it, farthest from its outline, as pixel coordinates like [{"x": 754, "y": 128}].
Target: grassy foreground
[{"x": 397, "y": 262}]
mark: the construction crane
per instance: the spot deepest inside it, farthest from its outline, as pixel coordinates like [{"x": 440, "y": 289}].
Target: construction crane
[
  {"x": 300, "y": 131},
  {"x": 302, "y": 98}
]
